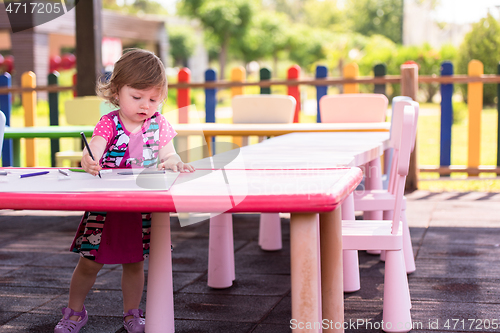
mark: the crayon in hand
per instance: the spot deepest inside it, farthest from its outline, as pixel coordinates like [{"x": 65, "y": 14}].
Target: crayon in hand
[{"x": 88, "y": 148}]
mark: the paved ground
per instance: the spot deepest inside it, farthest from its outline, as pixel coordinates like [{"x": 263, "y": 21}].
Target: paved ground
[{"x": 456, "y": 238}]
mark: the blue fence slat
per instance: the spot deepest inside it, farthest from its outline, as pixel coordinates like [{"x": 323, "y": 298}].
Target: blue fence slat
[
  {"x": 210, "y": 101},
  {"x": 446, "y": 115},
  {"x": 6, "y": 107},
  {"x": 210, "y": 96},
  {"x": 53, "y": 79},
  {"x": 380, "y": 70},
  {"x": 321, "y": 73}
]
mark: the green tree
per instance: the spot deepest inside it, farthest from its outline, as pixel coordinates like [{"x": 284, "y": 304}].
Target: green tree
[
  {"x": 182, "y": 44},
  {"x": 268, "y": 36},
  {"x": 342, "y": 48},
  {"x": 370, "y": 17},
  {"x": 292, "y": 8},
  {"x": 481, "y": 43},
  {"x": 135, "y": 7},
  {"x": 223, "y": 19},
  {"x": 324, "y": 14},
  {"x": 306, "y": 45},
  {"x": 148, "y": 7}
]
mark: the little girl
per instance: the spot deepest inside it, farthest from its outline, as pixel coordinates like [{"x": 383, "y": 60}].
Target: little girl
[{"x": 136, "y": 135}]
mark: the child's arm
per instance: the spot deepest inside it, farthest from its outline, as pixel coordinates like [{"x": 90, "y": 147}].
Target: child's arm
[
  {"x": 97, "y": 145},
  {"x": 170, "y": 160}
]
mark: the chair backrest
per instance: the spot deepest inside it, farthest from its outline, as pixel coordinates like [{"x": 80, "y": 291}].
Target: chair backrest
[
  {"x": 398, "y": 110},
  {"x": 395, "y": 101},
  {"x": 353, "y": 108},
  {"x": 86, "y": 110},
  {"x": 260, "y": 109},
  {"x": 2, "y": 130},
  {"x": 403, "y": 123}
]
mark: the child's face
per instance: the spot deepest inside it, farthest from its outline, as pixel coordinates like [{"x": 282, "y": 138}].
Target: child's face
[{"x": 138, "y": 105}]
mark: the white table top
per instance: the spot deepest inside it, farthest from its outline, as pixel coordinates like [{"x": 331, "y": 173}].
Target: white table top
[{"x": 307, "y": 150}]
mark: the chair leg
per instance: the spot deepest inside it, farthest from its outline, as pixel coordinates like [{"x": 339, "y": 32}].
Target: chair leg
[
  {"x": 231, "y": 247},
  {"x": 407, "y": 247},
  {"x": 220, "y": 259},
  {"x": 270, "y": 232},
  {"x": 351, "y": 271},
  {"x": 373, "y": 181},
  {"x": 397, "y": 303},
  {"x": 387, "y": 215},
  {"x": 350, "y": 257}
]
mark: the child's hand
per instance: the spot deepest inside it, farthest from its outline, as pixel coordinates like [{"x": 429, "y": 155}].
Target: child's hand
[
  {"x": 176, "y": 166},
  {"x": 89, "y": 165}
]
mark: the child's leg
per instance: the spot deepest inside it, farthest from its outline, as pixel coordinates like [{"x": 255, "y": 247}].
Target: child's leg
[
  {"x": 82, "y": 281},
  {"x": 132, "y": 285}
]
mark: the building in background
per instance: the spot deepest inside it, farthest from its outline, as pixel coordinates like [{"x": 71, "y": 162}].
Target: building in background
[{"x": 32, "y": 49}]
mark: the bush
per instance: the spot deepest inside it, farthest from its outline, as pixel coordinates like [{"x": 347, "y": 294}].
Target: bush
[{"x": 481, "y": 43}]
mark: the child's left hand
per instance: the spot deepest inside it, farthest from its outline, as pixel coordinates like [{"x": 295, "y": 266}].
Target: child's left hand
[{"x": 176, "y": 166}]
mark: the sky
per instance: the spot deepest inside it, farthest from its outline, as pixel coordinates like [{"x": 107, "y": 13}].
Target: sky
[{"x": 454, "y": 11}]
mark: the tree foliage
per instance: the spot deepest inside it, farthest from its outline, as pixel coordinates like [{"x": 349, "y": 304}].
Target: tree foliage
[
  {"x": 268, "y": 37},
  {"x": 382, "y": 17},
  {"x": 136, "y": 7},
  {"x": 182, "y": 44},
  {"x": 306, "y": 45},
  {"x": 481, "y": 43},
  {"x": 223, "y": 19}
]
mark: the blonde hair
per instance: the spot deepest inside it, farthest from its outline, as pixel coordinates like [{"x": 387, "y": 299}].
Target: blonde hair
[{"x": 138, "y": 69}]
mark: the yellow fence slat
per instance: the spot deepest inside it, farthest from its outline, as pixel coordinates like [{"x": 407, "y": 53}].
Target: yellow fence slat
[
  {"x": 351, "y": 71},
  {"x": 238, "y": 75},
  {"x": 28, "y": 80},
  {"x": 475, "y": 101}
]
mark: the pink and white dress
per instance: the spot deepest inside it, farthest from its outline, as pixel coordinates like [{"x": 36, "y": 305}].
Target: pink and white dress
[{"x": 122, "y": 237}]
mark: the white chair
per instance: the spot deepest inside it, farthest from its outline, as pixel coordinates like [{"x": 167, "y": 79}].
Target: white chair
[
  {"x": 248, "y": 109},
  {"x": 265, "y": 109},
  {"x": 370, "y": 200},
  {"x": 2, "y": 129},
  {"x": 388, "y": 152},
  {"x": 388, "y": 234}
]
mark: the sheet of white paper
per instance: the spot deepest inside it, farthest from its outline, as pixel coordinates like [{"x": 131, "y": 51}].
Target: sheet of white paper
[{"x": 84, "y": 182}]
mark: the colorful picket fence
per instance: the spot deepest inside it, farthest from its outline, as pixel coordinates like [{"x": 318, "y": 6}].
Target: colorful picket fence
[{"x": 409, "y": 80}]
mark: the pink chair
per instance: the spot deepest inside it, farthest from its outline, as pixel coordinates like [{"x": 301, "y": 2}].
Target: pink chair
[
  {"x": 370, "y": 200},
  {"x": 388, "y": 234},
  {"x": 352, "y": 108}
]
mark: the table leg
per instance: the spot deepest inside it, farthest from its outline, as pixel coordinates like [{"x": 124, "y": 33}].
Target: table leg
[
  {"x": 305, "y": 271},
  {"x": 373, "y": 181},
  {"x": 220, "y": 252},
  {"x": 331, "y": 270},
  {"x": 350, "y": 257},
  {"x": 160, "y": 292}
]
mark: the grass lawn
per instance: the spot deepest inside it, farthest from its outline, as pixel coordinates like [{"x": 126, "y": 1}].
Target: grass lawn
[
  {"x": 428, "y": 138},
  {"x": 429, "y": 146}
]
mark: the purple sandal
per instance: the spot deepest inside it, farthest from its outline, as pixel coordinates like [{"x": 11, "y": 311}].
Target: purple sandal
[
  {"x": 136, "y": 324},
  {"x": 65, "y": 325}
]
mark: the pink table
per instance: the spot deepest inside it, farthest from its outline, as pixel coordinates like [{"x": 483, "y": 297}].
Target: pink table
[
  {"x": 316, "y": 248},
  {"x": 298, "y": 151}
]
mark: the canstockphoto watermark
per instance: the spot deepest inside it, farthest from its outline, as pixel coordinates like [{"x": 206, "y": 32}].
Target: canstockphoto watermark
[
  {"x": 26, "y": 14},
  {"x": 357, "y": 324}
]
